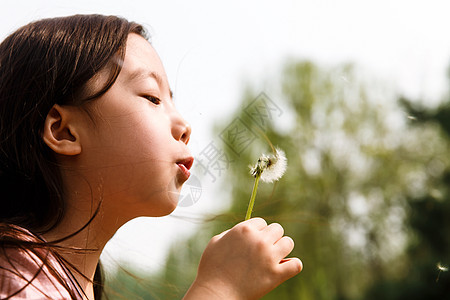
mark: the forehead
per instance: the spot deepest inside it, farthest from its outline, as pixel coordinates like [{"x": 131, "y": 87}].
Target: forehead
[{"x": 141, "y": 61}]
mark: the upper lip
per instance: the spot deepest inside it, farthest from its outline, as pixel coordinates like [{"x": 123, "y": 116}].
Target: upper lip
[{"x": 187, "y": 162}]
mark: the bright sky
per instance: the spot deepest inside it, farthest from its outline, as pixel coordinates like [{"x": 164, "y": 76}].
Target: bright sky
[{"x": 212, "y": 49}]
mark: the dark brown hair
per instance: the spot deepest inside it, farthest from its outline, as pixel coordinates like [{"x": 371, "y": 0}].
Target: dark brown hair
[{"x": 44, "y": 63}]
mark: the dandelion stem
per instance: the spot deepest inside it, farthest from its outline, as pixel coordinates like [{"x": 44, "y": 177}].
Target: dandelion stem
[{"x": 252, "y": 198}]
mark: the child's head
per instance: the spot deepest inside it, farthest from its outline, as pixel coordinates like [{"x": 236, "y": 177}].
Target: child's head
[{"x": 76, "y": 92}]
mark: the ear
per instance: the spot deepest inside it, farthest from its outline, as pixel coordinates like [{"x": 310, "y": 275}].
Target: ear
[{"x": 60, "y": 132}]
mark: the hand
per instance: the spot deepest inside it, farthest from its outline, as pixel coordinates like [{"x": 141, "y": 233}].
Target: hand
[{"x": 245, "y": 262}]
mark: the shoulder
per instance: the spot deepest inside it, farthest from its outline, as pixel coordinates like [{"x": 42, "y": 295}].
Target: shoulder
[{"x": 31, "y": 274}]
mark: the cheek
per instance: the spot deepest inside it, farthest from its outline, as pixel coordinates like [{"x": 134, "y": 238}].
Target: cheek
[
  {"x": 134, "y": 138},
  {"x": 152, "y": 167},
  {"x": 144, "y": 188},
  {"x": 138, "y": 163}
]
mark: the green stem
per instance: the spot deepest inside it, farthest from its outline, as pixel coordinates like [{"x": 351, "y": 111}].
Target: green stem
[{"x": 252, "y": 198}]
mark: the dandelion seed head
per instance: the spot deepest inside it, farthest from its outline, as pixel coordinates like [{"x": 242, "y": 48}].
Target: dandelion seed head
[
  {"x": 270, "y": 167},
  {"x": 442, "y": 268}
]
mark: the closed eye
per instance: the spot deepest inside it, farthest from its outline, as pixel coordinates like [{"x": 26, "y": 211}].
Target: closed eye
[{"x": 153, "y": 99}]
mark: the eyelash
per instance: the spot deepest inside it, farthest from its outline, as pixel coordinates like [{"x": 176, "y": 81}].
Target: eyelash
[{"x": 153, "y": 99}]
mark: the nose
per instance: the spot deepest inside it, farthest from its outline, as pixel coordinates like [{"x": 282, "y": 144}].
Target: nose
[{"x": 181, "y": 130}]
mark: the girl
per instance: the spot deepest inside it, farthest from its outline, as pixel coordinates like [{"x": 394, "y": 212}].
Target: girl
[{"x": 90, "y": 139}]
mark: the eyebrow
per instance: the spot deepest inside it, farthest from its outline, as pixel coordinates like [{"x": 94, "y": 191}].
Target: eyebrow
[{"x": 140, "y": 73}]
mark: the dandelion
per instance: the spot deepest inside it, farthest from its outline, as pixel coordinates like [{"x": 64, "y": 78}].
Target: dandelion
[
  {"x": 441, "y": 268},
  {"x": 269, "y": 168}
]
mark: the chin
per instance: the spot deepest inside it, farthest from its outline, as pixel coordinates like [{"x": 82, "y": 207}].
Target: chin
[
  {"x": 162, "y": 204},
  {"x": 168, "y": 205},
  {"x": 174, "y": 203}
]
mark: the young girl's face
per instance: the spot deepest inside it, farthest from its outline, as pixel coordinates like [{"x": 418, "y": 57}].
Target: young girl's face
[{"x": 137, "y": 144}]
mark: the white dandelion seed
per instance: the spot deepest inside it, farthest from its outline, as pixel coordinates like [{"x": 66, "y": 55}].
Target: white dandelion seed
[{"x": 270, "y": 167}]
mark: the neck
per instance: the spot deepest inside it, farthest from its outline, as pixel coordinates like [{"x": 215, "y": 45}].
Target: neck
[{"x": 92, "y": 239}]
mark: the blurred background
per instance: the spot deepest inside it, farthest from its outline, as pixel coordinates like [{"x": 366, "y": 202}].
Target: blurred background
[{"x": 355, "y": 93}]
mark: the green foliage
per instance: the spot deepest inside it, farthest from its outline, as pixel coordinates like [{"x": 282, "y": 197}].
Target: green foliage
[
  {"x": 429, "y": 227},
  {"x": 127, "y": 283},
  {"x": 358, "y": 187}
]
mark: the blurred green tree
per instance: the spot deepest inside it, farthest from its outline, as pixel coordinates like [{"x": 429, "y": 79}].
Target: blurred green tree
[
  {"x": 429, "y": 227},
  {"x": 354, "y": 163}
]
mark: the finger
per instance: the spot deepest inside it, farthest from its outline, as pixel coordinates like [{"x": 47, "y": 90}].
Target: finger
[
  {"x": 220, "y": 235},
  {"x": 274, "y": 232},
  {"x": 289, "y": 267},
  {"x": 284, "y": 246},
  {"x": 258, "y": 223}
]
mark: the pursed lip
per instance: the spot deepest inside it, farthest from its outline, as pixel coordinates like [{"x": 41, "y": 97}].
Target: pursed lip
[
  {"x": 184, "y": 165},
  {"x": 186, "y": 162}
]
